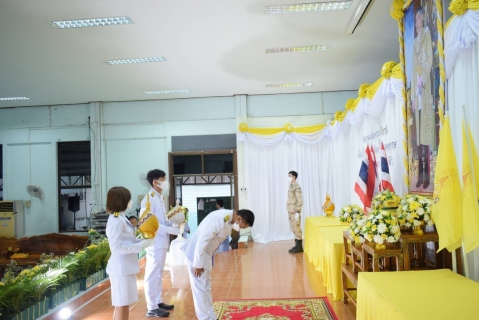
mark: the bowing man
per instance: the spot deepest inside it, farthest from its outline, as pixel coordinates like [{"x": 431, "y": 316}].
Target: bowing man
[{"x": 199, "y": 250}]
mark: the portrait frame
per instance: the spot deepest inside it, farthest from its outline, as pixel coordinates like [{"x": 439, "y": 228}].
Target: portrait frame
[{"x": 423, "y": 58}]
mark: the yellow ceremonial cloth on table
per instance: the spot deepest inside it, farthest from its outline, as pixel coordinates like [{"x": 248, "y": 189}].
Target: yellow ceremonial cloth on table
[
  {"x": 324, "y": 247},
  {"x": 311, "y": 226},
  {"x": 416, "y": 295}
]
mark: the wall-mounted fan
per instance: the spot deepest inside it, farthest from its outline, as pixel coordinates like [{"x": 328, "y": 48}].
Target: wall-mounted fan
[
  {"x": 35, "y": 191},
  {"x": 143, "y": 180}
]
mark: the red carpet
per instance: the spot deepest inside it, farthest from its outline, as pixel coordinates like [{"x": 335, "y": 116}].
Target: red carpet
[{"x": 275, "y": 309}]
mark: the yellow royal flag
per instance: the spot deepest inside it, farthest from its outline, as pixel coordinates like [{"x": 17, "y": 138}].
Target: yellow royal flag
[
  {"x": 470, "y": 188},
  {"x": 447, "y": 208}
]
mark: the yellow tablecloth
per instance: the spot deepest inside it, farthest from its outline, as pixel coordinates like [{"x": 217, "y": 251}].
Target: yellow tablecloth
[
  {"x": 323, "y": 244},
  {"x": 436, "y": 294}
]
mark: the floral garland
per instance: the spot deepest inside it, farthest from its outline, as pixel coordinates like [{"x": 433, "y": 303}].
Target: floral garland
[
  {"x": 413, "y": 209},
  {"x": 380, "y": 226}
]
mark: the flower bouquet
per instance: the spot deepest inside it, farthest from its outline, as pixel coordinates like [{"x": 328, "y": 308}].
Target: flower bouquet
[
  {"x": 380, "y": 226},
  {"x": 178, "y": 217},
  {"x": 352, "y": 214},
  {"x": 414, "y": 211}
]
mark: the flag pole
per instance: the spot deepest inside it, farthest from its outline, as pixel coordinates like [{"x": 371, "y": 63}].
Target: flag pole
[{"x": 466, "y": 126}]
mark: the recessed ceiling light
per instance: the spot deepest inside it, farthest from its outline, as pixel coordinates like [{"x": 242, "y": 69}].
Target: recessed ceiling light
[
  {"x": 96, "y": 22},
  {"x": 322, "y": 47},
  {"x": 14, "y": 98},
  {"x": 297, "y": 84},
  {"x": 308, "y": 7},
  {"x": 135, "y": 60},
  {"x": 167, "y": 91}
]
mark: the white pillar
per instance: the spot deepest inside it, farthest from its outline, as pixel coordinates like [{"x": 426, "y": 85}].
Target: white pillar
[
  {"x": 241, "y": 116},
  {"x": 96, "y": 156}
]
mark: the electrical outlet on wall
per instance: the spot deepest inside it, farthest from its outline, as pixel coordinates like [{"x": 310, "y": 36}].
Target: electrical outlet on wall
[
  {"x": 28, "y": 203},
  {"x": 243, "y": 189}
]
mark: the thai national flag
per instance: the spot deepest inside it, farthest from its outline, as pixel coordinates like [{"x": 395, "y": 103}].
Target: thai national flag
[
  {"x": 385, "y": 177},
  {"x": 364, "y": 186}
]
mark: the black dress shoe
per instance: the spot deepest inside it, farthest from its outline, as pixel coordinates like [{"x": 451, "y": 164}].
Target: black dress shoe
[
  {"x": 158, "y": 313},
  {"x": 165, "y": 306}
]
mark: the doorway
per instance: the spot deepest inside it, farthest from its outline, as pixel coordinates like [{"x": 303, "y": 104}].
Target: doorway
[{"x": 199, "y": 178}]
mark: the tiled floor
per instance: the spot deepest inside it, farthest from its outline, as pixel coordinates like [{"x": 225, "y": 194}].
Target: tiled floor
[{"x": 260, "y": 271}]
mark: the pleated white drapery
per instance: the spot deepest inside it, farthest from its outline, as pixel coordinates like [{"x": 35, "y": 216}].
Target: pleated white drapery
[{"x": 327, "y": 161}]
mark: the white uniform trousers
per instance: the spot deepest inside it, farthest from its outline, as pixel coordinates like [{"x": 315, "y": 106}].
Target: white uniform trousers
[
  {"x": 202, "y": 298},
  {"x": 155, "y": 265}
]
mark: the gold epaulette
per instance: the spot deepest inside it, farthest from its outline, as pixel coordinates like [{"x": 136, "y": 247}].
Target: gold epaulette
[{"x": 227, "y": 218}]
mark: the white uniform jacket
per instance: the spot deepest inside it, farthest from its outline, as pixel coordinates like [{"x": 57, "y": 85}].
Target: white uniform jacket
[
  {"x": 124, "y": 246},
  {"x": 211, "y": 232},
  {"x": 162, "y": 240}
]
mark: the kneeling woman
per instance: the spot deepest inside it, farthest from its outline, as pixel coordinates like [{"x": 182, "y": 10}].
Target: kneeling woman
[{"x": 123, "y": 263}]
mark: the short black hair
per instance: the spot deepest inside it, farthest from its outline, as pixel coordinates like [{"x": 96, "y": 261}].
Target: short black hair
[
  {"x": 132, "y": 217},
  {"x": 293, "y": 173},
  {"x": 247, "y": 215},
  {"x": 220, "y": 202},
  {"x": 155, "y": 174},
  {"x": 419, "y": 9}
]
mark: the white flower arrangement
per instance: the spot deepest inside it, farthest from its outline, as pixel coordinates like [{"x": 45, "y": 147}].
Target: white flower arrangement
[
  {"x": 352, "y": 214},
  {"x": 413, "y": 209},
  {"x": 380, "y": 226}
]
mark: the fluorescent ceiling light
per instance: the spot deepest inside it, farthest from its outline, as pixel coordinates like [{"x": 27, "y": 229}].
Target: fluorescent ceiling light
[
  {"x": 308, "y": 7},
  {"x": 298, "y": 84},
  {"x": 322, "y": 47},
  {"x": 135, "y": 60},
  {"x": 97, "y": 22},
  {"x": 358, "y": 14},
  {"x": 167, "y": 91},
  {"x": 14, "y": 98}
]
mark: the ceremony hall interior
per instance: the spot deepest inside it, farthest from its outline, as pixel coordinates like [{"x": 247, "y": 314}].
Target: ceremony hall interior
[{"x": 327, "y": 150}]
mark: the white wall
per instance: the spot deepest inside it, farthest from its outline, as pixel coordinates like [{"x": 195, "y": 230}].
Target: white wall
[{"x": 134, "y": 137}]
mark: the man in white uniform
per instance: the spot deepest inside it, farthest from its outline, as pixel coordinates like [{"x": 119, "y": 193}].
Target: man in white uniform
[
  {"x": 156, "y": 255},
  {"x": 199, "y": 250}
]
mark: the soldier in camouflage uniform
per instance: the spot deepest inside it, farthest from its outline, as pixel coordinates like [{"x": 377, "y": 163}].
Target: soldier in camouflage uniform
[{"x": 294, "y": 206}]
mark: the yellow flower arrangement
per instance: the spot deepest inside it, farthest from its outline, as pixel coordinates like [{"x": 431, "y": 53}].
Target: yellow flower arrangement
[
  {"x": 352, "y": 214},
  {"x": 379, "y": 226},
  {"x": 413, "y": 209}
]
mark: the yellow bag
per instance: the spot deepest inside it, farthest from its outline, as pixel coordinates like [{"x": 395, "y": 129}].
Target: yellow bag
[{"x": 148, "y": 223}]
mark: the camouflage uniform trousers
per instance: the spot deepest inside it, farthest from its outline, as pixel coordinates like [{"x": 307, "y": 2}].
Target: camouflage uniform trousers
[{"x": 295, "y": 226}]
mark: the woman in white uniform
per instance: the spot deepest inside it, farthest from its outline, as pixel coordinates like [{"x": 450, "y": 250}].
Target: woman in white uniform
[{"x": 123, "y": 263}]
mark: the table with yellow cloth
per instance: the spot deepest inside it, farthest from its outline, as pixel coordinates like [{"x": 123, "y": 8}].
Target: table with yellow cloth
[
  {"x": 435, "y": 294},
  {"x": 323, "y": 244}
]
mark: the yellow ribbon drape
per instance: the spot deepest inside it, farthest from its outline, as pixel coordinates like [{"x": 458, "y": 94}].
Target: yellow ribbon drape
[
  {"x": 389, "y": 69},
  {"x": 459, "y": 7},
  {"x": 288, "y": 128}
]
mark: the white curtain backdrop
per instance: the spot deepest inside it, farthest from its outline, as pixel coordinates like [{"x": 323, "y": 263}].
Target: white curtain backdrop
[
  {"x": 327, "y": 162},
  {"x": 463, "y": 90}
]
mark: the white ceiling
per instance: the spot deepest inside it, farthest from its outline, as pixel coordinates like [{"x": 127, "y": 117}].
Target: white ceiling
[{"x": 212, "y": 47}]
